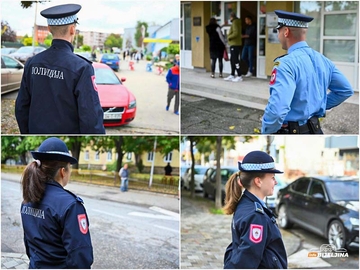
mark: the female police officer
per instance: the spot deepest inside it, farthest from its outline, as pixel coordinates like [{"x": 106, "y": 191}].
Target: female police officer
[
  {"x": 256, "y": 239},
  {"x": 56, "y": 227}
]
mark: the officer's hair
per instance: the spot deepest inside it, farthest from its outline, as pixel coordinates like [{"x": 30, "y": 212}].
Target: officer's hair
[
  {"x": 298, "y": 33},
  {"x": 35, "y": 176},
  {"x": 59, "y": 30},
  {"x": 233, "y": 190}
]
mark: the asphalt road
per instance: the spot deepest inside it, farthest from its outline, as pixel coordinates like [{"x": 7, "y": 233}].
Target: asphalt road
[
  {"x": 150, "y": 90},
  {"x": 123, "y": 235}
]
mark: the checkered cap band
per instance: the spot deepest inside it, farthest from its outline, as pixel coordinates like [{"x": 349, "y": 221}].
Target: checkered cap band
[
  {"x": 257, "y": 166},
  {"x": 62, "y": 21},
  {"x": 293, "y": 23},
  {"x": 57, "y": 152}
]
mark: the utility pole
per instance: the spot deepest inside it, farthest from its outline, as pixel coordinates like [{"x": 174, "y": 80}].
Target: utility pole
[{"x": 33, "y": 39}]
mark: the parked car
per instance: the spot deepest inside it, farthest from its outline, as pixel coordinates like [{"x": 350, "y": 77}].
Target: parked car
[
  {"x": 198, "y": 177},
  {"x": 5, "y": 51},
  {"x": 183, "y": 170},
  {"x": 112, "y": 60},
  {"x": 25, "y": 52},
  {"x": 209, "y": 184},
  {"x": 11, "y": 74},
  {"x": 118, "y": 103},
  {"x": 327, "y": 206},
  {"x": 87, "y": 56},
  {"x": 272, "y": 200}
]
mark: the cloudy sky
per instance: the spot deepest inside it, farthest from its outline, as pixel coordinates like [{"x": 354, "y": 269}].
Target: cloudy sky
[{"x": 108, "y": 16}]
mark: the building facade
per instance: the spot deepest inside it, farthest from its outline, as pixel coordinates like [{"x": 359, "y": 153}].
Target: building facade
[
  {"x": 167, "y": 31},
  {"x": 334, "y": 32},
  {"x": 94, "y": 39}
]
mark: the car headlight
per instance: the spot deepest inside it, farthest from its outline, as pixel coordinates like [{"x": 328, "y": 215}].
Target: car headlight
[
  {"x": 354, "y": 221},
  {"x": 132, "y": 104}
]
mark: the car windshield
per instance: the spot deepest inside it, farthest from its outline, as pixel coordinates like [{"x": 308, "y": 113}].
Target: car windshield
[
  {"x": 343, "y": 190},
  {"x": 25, "y": 50},
  {"x": 200, "y": 170},
  {"x": 105, "y": 76},
  {"x": 110, "y": 56}
]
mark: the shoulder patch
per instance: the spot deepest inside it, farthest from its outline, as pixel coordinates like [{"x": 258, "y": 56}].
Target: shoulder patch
[
  {"x": 273, "y": 76},
  {"x": 258, "y": 207},
  {"x": 256, "y": 233},
  {"x": 277, "y": 63}
]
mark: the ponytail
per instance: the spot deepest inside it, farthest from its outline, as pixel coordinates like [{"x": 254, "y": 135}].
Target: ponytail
[
  {"x": 35, "y": 177},
  {"x": 233, "y": 192}
]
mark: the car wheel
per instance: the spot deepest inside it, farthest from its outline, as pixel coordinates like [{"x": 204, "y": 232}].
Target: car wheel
[
  {"x": 336, "y": 234},
  {"x": 283, "y": 218}
]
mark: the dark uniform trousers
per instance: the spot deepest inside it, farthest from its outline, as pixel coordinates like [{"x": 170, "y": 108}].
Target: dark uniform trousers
[
  {"x": 256, "y": 238},
  {"x": 56, "y": 230}
]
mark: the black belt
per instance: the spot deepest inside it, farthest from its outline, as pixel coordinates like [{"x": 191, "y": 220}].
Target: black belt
[{"x": 312, "y": 126}]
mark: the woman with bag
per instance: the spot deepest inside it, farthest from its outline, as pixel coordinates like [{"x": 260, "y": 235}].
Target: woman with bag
[{"x": 217, "y": 46}]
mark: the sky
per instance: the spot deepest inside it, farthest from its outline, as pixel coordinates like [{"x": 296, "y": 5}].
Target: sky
[{"x": 107, "y": 16}]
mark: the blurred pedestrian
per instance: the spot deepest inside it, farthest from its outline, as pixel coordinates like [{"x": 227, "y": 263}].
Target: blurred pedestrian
[
  {"x": 256, "y": 238},
  {"x": 217, "y": 46},
  {"x": 124, "y": 176},
  {"x": 304, "y": 83},
  {"x": 249, "y": 44},
  {"x": 58, "y": 94},
  {"x": 168, "y": 169},
  {"x": 173, "y": 79},
  {"x": 235, "y": 42},
  {"x": 55, "y": 223}
]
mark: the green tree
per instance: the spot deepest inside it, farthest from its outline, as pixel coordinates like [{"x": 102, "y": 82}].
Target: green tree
[
  {"x": 173, "y": 49},
  {"x": 48, "y": 40},
  {"x": 138, "y": 35},
  {"x": 86, "y": 48},
  {"x": 114, "y": 40},
  {"x": 27, "y": 41},
  {"x": 7, "y": 34}
]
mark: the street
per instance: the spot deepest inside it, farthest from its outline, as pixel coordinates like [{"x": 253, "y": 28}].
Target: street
[
  {"x": 123, "y": 235},
  {"x": 150, "y": 90},
  {"x": 205, "y": 236}
]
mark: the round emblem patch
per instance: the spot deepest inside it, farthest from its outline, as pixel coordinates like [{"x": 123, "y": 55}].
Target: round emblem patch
[
  {"x": 256, "y": 233},
  {"x": 83, "y": 226},
  {"x": 273, "y": 76}
]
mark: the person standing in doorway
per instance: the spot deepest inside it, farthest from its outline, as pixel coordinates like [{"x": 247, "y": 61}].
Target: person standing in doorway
[
  {"x": 168, "y": 169},
  {"x": 249, "y": 44},
  {"x": 124, "y": 176},
  {"x": 235, "y": 42},
  {"x": 217, "y": 46}
]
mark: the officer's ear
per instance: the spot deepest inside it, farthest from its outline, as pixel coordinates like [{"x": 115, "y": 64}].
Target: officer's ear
[{"x": 257, "y": 181}]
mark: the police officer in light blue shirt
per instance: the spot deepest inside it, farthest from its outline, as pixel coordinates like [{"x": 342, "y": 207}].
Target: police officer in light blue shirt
[
  {"x": 300, "y": 81},
  {"x": 58, "y": 94}
]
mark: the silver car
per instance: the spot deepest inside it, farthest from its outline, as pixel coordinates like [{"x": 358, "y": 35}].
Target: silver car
[
  {"x": 25, "y": 52},
  {"x": 11, "y": 74}
]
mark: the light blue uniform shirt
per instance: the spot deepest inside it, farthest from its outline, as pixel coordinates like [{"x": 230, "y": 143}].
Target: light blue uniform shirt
[{"x": 298, "y": 88}]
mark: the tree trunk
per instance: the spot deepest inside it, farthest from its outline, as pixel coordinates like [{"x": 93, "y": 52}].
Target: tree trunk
[
  {"x": 218, "y": 199},
  {"x": 118, "y": 144},
  {"x": 192, "y": 181},
  {"x": 75, "y": 150}
]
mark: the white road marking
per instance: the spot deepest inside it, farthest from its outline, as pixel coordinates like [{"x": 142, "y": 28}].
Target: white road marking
[
  {"x": 147, "y": 215},
  {"x": 164, "y": 211},
  {"x": 168, "y": 229}
]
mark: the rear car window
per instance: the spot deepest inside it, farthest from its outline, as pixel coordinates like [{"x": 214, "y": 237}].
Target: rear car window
[{"x": 301, "y": 185}]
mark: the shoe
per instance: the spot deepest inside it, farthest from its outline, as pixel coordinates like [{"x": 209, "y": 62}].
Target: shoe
[
  {"x": 237, "y": 79},
  {"x": 212, "y": 76},
  {"x": 220, "y": 75},
  {"x": 248, "y": 74},
  {"x": 177, "y": 113},
  {"x": 230, "y": 77},
  {"x": 167, "y": 108}
]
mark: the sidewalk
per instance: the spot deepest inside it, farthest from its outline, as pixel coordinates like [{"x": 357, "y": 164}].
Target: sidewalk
[
  {"x": 254, "y": 93},
  {"x": 169, "y": 202},
  {"x": 205, "y": 236}
]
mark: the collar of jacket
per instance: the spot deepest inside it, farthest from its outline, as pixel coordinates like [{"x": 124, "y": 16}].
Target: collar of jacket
[{"x": 61, "y": 44}]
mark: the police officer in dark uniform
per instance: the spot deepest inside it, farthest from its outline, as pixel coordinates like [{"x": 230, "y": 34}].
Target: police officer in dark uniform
[
  {"x": 300, "y": 81},
  {"x": 58, "y": 94},
  {"x": 55, "y": 223},
  {"x": 256, "y": 238}
]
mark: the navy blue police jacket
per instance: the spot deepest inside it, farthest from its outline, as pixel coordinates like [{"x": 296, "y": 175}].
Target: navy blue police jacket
[
  {"x": 56, "y": 230},
  {"x": 256, "y": 239},
  {"x": 58, "y": 94}
]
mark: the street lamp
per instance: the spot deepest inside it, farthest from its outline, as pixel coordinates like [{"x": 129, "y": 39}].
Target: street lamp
[{"x": 33, "y": 40}]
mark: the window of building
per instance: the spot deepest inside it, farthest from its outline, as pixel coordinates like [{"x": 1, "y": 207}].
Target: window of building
[
  {"x": 150, "y": 156},
  {"x": 185, "y": 27},
  {"x": 230, "y": 7},
  {"x": 97, "y": 156},
  {"x": 168, "y": 157},
  {"x": 87, "y": 155},
  {"x": 109, "y": 156},
  {"x": 216, "y": 9}
]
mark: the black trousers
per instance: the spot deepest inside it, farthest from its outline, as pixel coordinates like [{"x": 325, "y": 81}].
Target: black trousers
[
  {"x": 213, "y": 64},
  {"x": 235, "y": 60}
]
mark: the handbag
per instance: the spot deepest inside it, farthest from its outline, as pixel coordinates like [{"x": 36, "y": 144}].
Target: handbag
[{"x": 225, "y": 55}]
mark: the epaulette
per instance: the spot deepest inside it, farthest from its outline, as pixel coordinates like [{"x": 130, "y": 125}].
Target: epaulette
[
  {"x": 259, "y": 208},
  {"x": 84, "y": 59},
  {"x": 76, "y": 197},
  {"x": 279, "y": 57}
]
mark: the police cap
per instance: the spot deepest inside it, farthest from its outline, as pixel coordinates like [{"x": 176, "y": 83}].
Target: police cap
[
  {"x": 258, "y": 161},
  {"x": 62, "y": 14},
  {"x": 292, "y": 19},
  {"x": 53, "y": 149}
]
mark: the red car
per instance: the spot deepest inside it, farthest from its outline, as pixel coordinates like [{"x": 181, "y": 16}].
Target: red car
[{"x": 118, "y": 103}]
